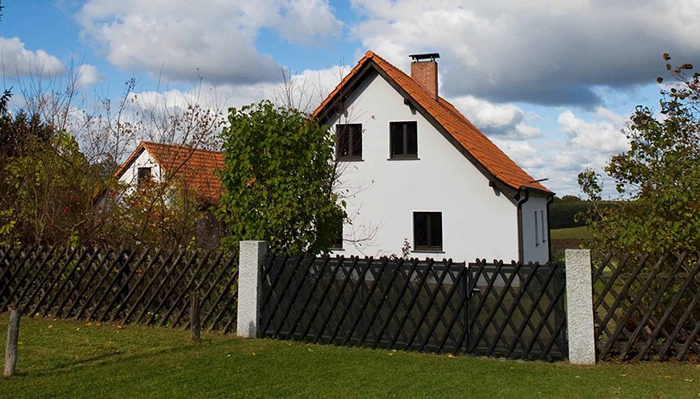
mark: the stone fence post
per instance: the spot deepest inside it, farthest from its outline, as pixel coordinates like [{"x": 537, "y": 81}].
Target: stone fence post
[
  {"x": 579, "y": 307},
  {"x": 251, "y": 257}
]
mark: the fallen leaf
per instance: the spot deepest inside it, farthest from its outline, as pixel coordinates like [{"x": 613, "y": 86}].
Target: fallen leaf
[
  {"x": 451, "y": 356},
  {"x": 688, "y": 379},
  {"x": 253, "y": 353},
  {"x": 623, "y": 375},
  {"x": 50, "y": 325},
  {"x": 88, "y": 323},
  {"x": 98, "y": 324},
  {"x": 390, "y": 354},
  {"x": 578, "y": 376},
  {"x": 120, "y": 327},
  {"x": 77, "y": 329},
  {"x": 668, "y": 377},
  {"x": 22, "y": 343},
  {"x": 310, "y": 350}
]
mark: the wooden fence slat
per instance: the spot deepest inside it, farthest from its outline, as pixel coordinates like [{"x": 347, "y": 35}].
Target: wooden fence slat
[
  {"x": 185, "y": 290},
  {"x": 659, "y": 293},
  {"x": 65, "y": 282},
  {"x": 45, "y": 278},
  {"x": 144, "y": 293},
  {"x": 121, "y": 284},
  {"x": 18, "y": 286},
  {"x": 662, "y": 322},
  {"x": 96, "y": 289},
  {"x": 446, "y": 302},
  {"x": 88, "y": 284},
  {"x": 199, "y": 285},
  {"x": 124, "y": 264},
  {"x": 125, "y": 302},
  {"x": 163, "y": 281},
  {"x": 169, "y": 292}
]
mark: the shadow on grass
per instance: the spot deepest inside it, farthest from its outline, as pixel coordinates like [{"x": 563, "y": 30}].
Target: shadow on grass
[{"x": 115, "y": 357}]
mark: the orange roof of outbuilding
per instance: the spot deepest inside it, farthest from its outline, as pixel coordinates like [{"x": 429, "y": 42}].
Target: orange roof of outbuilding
[
  {"x": 192, "y": 166},
  {"x": 446, "y": 115}
]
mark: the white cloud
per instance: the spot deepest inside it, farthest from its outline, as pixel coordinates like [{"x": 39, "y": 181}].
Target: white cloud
[
  {"x": 506, "y": 119},
  {"x": 186, "y": 39},
  {"x": 308, "y": 22},
  {"x": 523, "y": 153},
  {"x": 17, "y": 61},
  {"x": 547, "y": 52},
  {"x": 309, "y": 88},
  {"x": 88, "y": 75},
  {"x": 599, "y": 135}
]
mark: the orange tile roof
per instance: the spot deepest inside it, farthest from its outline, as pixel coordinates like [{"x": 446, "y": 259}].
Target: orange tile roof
[
  {"x": 194, "y": 167},
  {"x": 460, "y": 128}
]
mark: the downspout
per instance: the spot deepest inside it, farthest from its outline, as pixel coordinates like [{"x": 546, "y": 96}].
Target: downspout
[
  {"x": 521, "y": 201},
  {"x": 550, "y": 199}
]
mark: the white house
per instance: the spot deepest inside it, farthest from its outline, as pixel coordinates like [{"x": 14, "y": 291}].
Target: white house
[{"x": 415, "y": 171}]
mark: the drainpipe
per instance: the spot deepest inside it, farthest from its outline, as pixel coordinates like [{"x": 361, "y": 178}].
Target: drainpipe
[
  {"x": 521, "y": 201},
  {"x": 550, "y": 199}
]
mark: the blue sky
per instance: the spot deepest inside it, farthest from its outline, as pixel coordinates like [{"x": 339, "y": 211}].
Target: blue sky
[{"x": 551, "y": 82}]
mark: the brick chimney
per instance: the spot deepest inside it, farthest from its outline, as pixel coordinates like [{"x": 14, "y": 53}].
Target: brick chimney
[{"x": 424, "y": 70}]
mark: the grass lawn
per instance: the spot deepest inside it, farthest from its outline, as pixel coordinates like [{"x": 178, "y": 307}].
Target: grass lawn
[
  {"x": 78, "y": 359},
  {"x": 579, "y": 233}
]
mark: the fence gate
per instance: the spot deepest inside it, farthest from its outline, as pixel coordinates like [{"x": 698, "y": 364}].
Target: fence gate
[{"x": 420, "y": 305}]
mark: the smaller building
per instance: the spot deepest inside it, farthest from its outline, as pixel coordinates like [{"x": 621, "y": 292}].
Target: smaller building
[{"x": 191, "y": 168}]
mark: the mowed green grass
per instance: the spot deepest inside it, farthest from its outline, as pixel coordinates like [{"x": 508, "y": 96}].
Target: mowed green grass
[
  {"x": 580, "y": 233},
  {"x": 77, "y": 359}
]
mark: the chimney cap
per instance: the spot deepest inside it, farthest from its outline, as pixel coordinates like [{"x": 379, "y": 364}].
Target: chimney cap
[{"x": 430, "y": 56}]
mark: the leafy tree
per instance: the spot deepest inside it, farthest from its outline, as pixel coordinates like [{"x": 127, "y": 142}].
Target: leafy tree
[
  {"x": 659, "y": 174},
  {"x": 279, "y": 175}
]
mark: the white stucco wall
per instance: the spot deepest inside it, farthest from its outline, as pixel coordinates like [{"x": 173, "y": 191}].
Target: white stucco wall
[
  {"x": 535, "y": 237},
  {"x": 382, "y": 194}
]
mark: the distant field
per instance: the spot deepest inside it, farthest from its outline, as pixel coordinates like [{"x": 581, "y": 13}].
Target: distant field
[
  {"x": 570, "y": 238},
  {"x": 579, "y": 233}
]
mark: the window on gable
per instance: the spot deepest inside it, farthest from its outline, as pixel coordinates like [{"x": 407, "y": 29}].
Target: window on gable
[
  {"x": 427, "y": 231},
  {"x": 349, "y": 142},
  {"x": 143, "y": 176},
  {"x": 404, "y": 139}
]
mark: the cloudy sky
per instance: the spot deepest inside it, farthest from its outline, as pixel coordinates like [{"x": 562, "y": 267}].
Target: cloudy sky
[{"x": 551, "y": 82}]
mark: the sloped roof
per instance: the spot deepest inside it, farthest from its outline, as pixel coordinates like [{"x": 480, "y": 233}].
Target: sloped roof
[
  {"x": 193, "y": 166},
  {"x": 483, "y": 150}
]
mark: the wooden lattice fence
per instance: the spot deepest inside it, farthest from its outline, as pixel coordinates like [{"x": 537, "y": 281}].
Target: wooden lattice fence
[
  {"x": 120, "y": 285},
  {"x": 647, "y": 307},
  {"x": 505, "y": 310}
]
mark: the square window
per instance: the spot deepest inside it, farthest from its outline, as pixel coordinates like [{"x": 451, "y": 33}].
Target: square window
[
  {"x": 404, "y": 139},
  {"x": 427, "y": 231},
  {"x": 349, "y": 142}
]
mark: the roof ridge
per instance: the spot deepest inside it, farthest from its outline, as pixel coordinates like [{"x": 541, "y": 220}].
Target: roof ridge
[{"x": 178, "y": 146}]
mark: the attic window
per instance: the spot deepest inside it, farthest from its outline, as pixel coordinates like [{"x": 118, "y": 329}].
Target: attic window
[
  {"x": 349, "y": 142},
  {"x": 143, "y": 176},
  {"x": 404, "y": 140}
]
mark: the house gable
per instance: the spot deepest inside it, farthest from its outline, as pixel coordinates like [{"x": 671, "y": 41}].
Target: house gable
[
  {"x": 501, "y": 171},
  {"x": 383, "y": 193}
]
